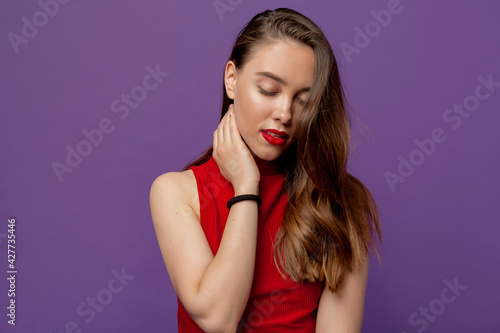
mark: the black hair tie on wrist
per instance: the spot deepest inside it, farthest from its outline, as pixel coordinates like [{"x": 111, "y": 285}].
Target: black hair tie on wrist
[{"x": 237, "y": 198}]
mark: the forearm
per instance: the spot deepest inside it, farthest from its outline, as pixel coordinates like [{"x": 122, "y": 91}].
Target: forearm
[{"x": 226, "y": 283}]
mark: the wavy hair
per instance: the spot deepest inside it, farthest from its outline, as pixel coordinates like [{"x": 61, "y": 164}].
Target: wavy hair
[{"x": 331, "y": 218}]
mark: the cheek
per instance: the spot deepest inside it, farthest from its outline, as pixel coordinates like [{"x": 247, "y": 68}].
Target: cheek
[
  {"x": 253, "y": 110},
  {"x": 251, "y": 100}
]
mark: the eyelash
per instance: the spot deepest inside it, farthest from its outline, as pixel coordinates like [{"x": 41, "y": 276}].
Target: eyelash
[{"x": 267, "y": 93}]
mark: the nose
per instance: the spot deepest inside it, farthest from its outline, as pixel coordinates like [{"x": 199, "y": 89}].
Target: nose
[{"x": 283, "y": 111}]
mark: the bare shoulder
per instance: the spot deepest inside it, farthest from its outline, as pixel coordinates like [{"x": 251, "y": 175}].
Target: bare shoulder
[{"x": 181, "y": 185}]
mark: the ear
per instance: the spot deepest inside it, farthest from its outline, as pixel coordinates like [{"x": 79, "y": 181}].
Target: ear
[{"x": 230, "y": 79}]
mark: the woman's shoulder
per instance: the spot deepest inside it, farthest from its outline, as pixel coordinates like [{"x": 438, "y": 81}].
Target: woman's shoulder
[
  {"x": 181, "y": 185},
  {"x": 182, "y": 179}
]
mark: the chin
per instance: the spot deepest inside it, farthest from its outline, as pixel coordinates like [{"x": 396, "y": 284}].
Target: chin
[
  {"x": 266, "y": 152},
  {"x": 269, "y": 156}
]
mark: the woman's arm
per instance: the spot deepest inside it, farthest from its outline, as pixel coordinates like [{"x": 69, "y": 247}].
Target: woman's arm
[
  {"x": 213, "y": 290},
  {"x": 343, "y": 313}
]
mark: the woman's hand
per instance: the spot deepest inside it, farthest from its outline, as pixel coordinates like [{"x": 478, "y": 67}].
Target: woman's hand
[{"x": 233, "y": 157}]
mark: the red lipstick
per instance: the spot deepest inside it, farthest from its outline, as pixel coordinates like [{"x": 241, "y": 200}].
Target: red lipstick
[{"x": 279, "y": 137}]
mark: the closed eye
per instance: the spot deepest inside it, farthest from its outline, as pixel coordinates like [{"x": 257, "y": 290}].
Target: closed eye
[{"x": 268, "y": 93}]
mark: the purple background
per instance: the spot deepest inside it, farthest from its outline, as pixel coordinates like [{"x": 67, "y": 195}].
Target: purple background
[{"x": 439, "y": 224}]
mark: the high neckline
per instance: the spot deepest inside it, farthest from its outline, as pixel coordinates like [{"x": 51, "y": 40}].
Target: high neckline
[{"x": 268, "y": 168}]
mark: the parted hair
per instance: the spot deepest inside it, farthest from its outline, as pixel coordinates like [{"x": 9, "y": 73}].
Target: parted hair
[{"x": 331, "y": 220}]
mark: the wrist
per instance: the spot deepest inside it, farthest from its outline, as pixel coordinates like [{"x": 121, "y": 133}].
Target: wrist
[
  {"x": 244, "y": 197},
  {"x": 246, "y": 190}
]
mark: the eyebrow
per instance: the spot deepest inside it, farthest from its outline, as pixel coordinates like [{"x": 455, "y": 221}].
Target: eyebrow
[{"x": 278, "y": 79}]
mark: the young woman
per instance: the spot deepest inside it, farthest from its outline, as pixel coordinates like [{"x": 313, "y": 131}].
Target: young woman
[{"x": 267, "y": 231}]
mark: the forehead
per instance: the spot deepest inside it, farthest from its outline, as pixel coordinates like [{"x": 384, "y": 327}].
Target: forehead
[{"x": 293, "y": 62}]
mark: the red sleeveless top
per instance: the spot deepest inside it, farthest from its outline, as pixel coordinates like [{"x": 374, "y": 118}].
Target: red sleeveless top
[{"x": 275, "y": 304}]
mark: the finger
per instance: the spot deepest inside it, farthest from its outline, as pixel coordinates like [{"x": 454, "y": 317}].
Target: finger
[
  {"x": 235, "y": 133},
  {"x": 220, "y": 134},
  {"x": 227, "y": 127}
]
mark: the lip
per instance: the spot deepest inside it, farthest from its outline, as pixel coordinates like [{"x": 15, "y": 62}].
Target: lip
[
  {"x": 280, "y": 133},
  {"x": 271, "y": 139}
]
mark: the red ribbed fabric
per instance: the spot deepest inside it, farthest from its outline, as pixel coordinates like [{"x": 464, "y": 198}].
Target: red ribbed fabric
[{"x": 275, "y": 304}]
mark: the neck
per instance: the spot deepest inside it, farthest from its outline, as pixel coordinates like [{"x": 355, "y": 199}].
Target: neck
[{"x": 268, "y": 168}]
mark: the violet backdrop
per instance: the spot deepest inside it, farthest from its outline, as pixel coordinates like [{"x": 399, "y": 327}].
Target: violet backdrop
[{"x": 78, "y": 159}]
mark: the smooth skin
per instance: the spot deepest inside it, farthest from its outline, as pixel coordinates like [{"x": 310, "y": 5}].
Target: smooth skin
[{"x": 215, "y": 289}]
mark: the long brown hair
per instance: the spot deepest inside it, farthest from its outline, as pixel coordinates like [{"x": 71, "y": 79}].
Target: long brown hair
[{"x": 331, "y": 217}]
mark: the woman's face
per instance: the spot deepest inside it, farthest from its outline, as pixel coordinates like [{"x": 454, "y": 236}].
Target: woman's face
[{"x": 268, "y": 94}]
